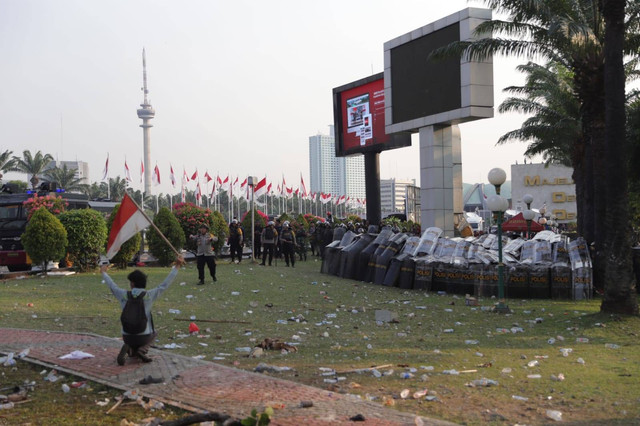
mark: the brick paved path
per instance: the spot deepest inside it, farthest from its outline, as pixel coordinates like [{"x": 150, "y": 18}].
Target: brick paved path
[{"x": 198, "y": 385}]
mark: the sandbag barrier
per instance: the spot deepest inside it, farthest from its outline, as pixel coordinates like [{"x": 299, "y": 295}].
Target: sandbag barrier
[{"x": 548, "y": 266}]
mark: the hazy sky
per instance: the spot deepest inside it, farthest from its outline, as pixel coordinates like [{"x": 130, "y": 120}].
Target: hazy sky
[{"x": 238, "y": 86}]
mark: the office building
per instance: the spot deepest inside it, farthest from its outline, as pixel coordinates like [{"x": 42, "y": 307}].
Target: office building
[
  {"x": 334, "y": 175},
  {"x": 81, "y": 168},
  {"x": 393, "y": 195}
]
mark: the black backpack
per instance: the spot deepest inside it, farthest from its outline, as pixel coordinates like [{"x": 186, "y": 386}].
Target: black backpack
[
  {"x": 134, "y": 317},
  {"x": 268, "y": 233}
]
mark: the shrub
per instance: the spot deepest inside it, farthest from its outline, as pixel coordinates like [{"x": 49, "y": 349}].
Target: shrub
[
  {"x": 313, "y": 218},
  {"x": 284, "y": 217},
  {"x": 54, "y": 204},
  {"x": 129, "y": 248},
  {"x": 353, "y": 218},
  {"x": 44, "y": 239},
  {"x": 190, "y": 217},
  {"x": 301, "y": 221},
  {"x": 86, "y": 235},
  {"x": 219, "y": 229},
  {"x": 170, "y": 227}
]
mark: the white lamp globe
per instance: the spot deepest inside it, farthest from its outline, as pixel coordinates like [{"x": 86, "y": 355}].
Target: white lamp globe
[
  {"x": 497, "y": 176},
  {"x": 497, "y": 203},
  {"x": 527, "y": 199},
  {"x": 505, "y": 204},
  {"x": 528, "y": 214}
]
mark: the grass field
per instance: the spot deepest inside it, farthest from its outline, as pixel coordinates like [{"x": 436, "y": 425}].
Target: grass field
[{"x": 332, "y": 323}]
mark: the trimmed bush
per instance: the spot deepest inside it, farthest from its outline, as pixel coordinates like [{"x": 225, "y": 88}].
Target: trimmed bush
[
  {"x": 86, "y": 236},
  {"x": 220, "y": 229},
  {"x": 53, "y": 203},
  {"x": 191, "y": 217},
  {"x": 129, "y": 248},
  {"x": 302, "y": 222},
  {"x": 44, "y": 239},
  {"x": 170, "y": 227}
]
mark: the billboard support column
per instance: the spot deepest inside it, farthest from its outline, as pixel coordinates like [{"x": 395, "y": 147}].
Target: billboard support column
[
  {"x": 372, "y": 185},
  {"x": 440, "y": 177}
]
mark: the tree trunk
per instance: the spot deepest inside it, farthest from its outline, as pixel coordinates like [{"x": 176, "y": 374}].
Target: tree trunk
[
  {"x": 592, "y": 114},
  {"x": 620, "y": 285}
]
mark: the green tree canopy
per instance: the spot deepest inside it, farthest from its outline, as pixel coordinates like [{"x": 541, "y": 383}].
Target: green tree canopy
[
  {"x": 86, "y": 235},
  {"x": 65, "y": 178},
  {"x": 44, "y": 239},
  {"x": 170, "y": 227},
  {"x": 32, "y": 165}
]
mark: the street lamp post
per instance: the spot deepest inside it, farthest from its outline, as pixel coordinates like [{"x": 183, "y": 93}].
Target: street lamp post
[
  {"x": 252, "y": 182},
  {"x": 528, "y": 214},
  {"x": 499, "y": 205}
]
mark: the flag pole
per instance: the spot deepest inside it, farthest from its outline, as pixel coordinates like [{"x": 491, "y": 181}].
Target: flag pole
[{"x": 156, "y": 228}]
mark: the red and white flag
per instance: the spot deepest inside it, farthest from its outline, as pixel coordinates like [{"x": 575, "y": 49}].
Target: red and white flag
[
  {"x": 269, "y": 188},
  {"x": 127, "y": 173},
  {"x": 198, "y": 194},
  {"x": 303, "y": 188},
  {"x": 289, "y": 192},
  {"x": 234, "y": 187},
  {"x": 224, "y": 185},
  {"x": 278, "y": 190},
  {"x": 172, "y": 176},
  {"x": 325, "y": 198},
  {"x": 283, "y": 189},
  {"x": 105, "y": 173},
  {"x": 195, "y": 175},
  {"x": 206, "y": 175},
  {"x": 243, "y": 185},
  {"x": 128, "y": 221},
  {"x": 185, "y": 178},
  {"x": 141, "y": 171},
  {"x": 156, "y": 176},
  {"x": 214, "y": 191},
  {"x": 261, "y": 188}
]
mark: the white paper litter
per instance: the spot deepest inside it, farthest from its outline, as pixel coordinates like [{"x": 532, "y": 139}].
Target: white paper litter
[{"x": 77, "y": 355}]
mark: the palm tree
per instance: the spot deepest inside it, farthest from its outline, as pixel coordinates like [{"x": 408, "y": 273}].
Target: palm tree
[
  {"x": 6, "y": 162},
  {"x": 554, "y": 127},
  {"x": 571, "y": 33},
  {"x": 621, "y": 296},
  {"x": 32, "y": 165},
  {"x": 117, "y": 188},
  {"x": 96, "y": 190},
  {"x": 66, "y": 178}
]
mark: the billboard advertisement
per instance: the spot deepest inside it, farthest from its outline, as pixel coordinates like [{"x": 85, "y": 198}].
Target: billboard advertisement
[
  {"x": 422, "y": 90},
  {"x": 358, "y": 110}
]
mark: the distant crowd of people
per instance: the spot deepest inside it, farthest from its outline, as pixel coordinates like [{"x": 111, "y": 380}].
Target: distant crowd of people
[{"x": 278, "y": 239}]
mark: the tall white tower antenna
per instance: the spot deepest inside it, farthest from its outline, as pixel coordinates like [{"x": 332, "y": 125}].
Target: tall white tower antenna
[{"x": 146, "y": 113}]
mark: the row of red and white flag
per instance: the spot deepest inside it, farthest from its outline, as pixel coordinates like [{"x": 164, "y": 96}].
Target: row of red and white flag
[{"x": 241, "y": 189}]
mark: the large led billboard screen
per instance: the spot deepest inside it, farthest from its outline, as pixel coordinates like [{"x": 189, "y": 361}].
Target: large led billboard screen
[
  {"x": 359, "y": 118},
  {"x": 423, "y": 91}
]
